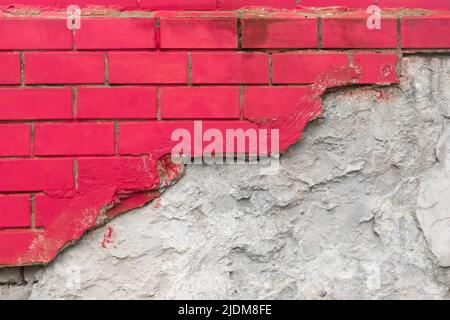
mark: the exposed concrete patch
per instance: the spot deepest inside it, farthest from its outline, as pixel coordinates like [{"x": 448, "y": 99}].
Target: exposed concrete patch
[{"x": 433, "y": 205}]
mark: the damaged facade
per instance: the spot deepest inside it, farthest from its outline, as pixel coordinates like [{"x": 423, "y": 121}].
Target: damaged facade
[{"x": 94, "y": 141}]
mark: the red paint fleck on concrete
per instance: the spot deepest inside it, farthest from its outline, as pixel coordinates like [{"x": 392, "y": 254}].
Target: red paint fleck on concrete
[
  {"x": 97, "y": 143},
  {"x": 107, "y": 237},
  {"x": 157, "y": 204}
]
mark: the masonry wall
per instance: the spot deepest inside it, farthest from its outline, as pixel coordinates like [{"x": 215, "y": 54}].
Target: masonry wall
[
  {"x": 340, "y": 220},
  {"x": 230, "y": 4},
  {"x": 86, "y": 115}
]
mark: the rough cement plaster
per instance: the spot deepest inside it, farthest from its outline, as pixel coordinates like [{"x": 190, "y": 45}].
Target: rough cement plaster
[{"x": 342, "y": 219}]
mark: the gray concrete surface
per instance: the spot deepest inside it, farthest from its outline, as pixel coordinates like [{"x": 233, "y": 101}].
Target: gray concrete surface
[{"x": 359, "y": 210}]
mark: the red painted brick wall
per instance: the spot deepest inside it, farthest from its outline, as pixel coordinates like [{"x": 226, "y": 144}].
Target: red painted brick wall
[
  {"x": 86, "y": 116},
  {"x": 231, "y": 4}
]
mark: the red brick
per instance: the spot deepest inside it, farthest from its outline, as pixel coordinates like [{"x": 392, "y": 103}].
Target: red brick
[
  {"x": 36, "y": 174},
  {"x": 178, "y": 4},
  {"x": 15, "y": 140},
  {"x": 200, "y": 103},
  {"x": 30, "y": 2},
  {"x": 236, "y": 4},
  {"x": 148, "y": 67},
  {"x": 116, "y": 33},
  {"x": 15, "y": 211},
  {"x": 48, "y": 209},
  {"x": 414, "y": 4},
  {"x": 10, "y": 68},
  {"x": 426, "y": 32},
  {"x": 335, "y": 3},
  {"x": 282, "y": 31},
  {"x": 376, "y": 68},
  {"x": 35, "y": 33},
  {"x": 120, "y": 173},
  {"x": 351, "y": 31},
  {"x": 84, "y": 3},
  {"x": 273, "y": 102},
  {"x": 233, "y": 126},
  {"x": 199, "y": 33},
  {"x": 302, "y": 68},
  {"x": 98, "y": 178},
  {"x": 35, "y": 103},
  {"x": 230, "y": 68},
  {"x": 154, "y": 138},
  {"x": 116, "y": 103},
  {"x": 17, "y": 243},
  {"x": 57, "y": 139},
  {"x": 233, "y": 4},
  {"x": 67, "y": 67}
]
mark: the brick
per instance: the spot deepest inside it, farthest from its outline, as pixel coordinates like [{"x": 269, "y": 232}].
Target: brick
[
  {"x": 14, "y": 244},
  {"x": 15, "y": 140},
  {"x": 99, "y": 178},
  {"x": 129, "y": 4},
  {"x": 265, "y": 103},
  {"x": 35, "y": 174},
  {"x": 334, "y": 3},
  {"x": 200, "y": 103},
  {"x": 120, "y": 173},
  {"x": 199, "y": 33},
  {"x": 351, "y": 31},
  {"x": 178, "y": 4},
  {"x": 376, "y": 68},
  {"x": 413, "y": 4},
  {"x": 64, "y": 68},
  {"x": 426, "y": 32},
  {"x": 116, "y": 33},
  {"x": 303, "y": 68},
  {"x": 116, "y": 103},
  {"x": 230, "y": 68},
  {"x": 29, "y": 2},
  {"x": 35, "y": 33},
  {"x": 11, "y": 276},
  {"x": 15, "y": 211},
  {"x": 154, "y": 138},
  {"x": 237, "y": 4},
  {"x": 231, "y": 132},
  {"x": 35, "y": 103},
  {"x": 57, "y": 139},
  {"x": 10, "y": 68},
  {"x": 284, "y": 31},
  {"x": 48, "y": 209},
  {"x": 234, "y": 4},
  {"x": 145, "y": 67}
]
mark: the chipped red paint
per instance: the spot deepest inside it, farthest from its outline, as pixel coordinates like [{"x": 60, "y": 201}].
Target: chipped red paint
[
  {"x": 168, "y": 170},
  {"x": 132, "y": 201},
  {"x": 97, "y": 142},
  {"x": 107, "y": 237}
]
